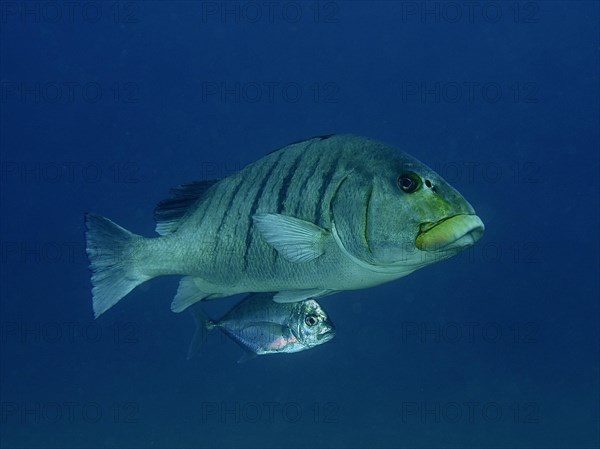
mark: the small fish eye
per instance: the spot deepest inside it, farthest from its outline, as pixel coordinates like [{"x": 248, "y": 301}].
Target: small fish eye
[
  {"x": 311, "y": 320},
  {"x": 409, "y": 182}
]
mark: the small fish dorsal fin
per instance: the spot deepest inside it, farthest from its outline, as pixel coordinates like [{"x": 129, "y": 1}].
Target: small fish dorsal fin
[{"x": 168, "y": 212}]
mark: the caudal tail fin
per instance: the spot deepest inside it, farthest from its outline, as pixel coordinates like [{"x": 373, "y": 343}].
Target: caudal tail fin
[
  {"x": 111, "y": 251},
  {"x": 203, "y": 326}
]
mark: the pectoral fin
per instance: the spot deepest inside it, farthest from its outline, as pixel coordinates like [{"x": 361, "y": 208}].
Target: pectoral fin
[{"x": 296, "y": 240}]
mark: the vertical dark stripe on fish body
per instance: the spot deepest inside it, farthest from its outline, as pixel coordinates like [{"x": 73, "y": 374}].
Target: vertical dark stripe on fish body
[
  {"x": 236, "y": 222},
  {"x": 209, "y": 204},
  {"x": 259, "y": 192},
  {"x": 365, "y": 230},
  {"x": 278, "y": 191},
  {"x": 290, "y": 193},
  {"x": 292, "y": 198},
  {"x": 225, "y": 213},
  {"x": 204, "y": 210},
  {"x": 325, "y": 182},
  {"x": 303, "y": 187},
  {"x": 285, "y": 185}
]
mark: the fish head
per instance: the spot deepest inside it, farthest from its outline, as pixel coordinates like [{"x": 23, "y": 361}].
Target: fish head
[
  {"x": 311, "y": 324},
  {"x": 397, "y": 213}
]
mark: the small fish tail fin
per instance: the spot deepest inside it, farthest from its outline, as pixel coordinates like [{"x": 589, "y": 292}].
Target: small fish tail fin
[
  {"x": 203, "y": 326},
  {"x": 111, "y": 250}
]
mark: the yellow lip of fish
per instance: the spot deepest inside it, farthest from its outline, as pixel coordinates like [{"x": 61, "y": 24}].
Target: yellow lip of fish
[{"x": 454, "y": 232}]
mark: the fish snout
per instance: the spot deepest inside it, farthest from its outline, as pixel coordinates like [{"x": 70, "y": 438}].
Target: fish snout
[
  {"x": 452, "y": 233},
  {"x": 327, "y": 333},
  {"x": 323, "y": 338}
]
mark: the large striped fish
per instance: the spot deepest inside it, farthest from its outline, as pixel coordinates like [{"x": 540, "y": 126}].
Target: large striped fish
[{"x": 323, "y": 215}]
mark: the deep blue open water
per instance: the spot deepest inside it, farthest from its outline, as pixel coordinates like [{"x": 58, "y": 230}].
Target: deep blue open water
[{"x": 106, "y": 105}]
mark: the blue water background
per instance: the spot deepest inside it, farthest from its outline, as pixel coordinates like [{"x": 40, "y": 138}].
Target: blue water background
[{"x": 495, "y": 348}]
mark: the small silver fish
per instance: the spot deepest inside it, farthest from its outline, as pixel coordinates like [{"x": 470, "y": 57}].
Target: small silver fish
[{"x": 262, "y": 326}]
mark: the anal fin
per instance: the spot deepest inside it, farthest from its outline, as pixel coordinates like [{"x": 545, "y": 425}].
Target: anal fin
[
  {"x": 299, "y": 295},
  {"x": 188, "y": 293},
  {"x": 247, "y": 355}
]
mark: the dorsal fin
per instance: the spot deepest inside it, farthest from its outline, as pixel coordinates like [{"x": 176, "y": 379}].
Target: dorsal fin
[
  {"x": 323, "y": 137},
  {"x": 168, "y": 212}
]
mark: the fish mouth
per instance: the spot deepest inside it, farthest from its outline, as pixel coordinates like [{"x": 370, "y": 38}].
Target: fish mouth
[
  {"x": 326, "y": 336},
  {"x": 451, "y": 233}
]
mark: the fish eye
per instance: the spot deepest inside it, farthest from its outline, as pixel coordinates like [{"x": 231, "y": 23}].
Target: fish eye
[
  {"x": 311, "y": 320},
  {"x": 409, "y": 182}
]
